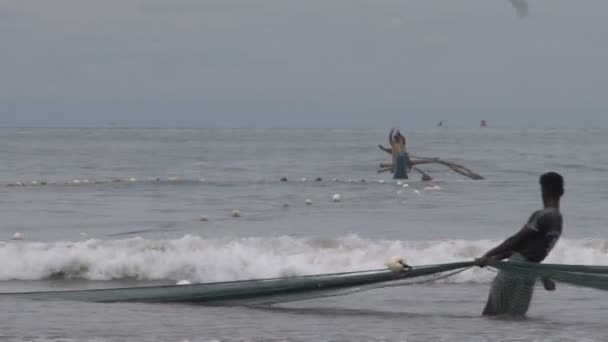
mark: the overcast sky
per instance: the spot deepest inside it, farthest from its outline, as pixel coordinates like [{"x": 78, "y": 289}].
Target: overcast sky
[{"x": 312, "y": 63}]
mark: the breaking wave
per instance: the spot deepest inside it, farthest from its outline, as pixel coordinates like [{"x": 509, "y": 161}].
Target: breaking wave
[{"x": 203, "y": 260}]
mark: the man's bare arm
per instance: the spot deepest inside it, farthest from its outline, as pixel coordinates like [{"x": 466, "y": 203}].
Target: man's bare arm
[
  {"x": 506, "y": 248},
  {"x": 387, "y": 150}
]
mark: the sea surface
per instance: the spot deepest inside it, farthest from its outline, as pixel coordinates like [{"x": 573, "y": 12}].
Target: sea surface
[{"x": 99, "y": 208}]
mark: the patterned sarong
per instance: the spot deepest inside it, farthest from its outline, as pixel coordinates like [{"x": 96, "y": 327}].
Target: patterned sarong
[
  {"x": 401, "y": 166},
  {"x": 511, "y": 292}
]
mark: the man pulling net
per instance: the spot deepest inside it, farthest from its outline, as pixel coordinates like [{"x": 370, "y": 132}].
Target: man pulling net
[{"x": 511, "y": 292}]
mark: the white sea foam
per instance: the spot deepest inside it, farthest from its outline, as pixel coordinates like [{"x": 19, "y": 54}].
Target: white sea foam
[{"x": 202, "y": 260}]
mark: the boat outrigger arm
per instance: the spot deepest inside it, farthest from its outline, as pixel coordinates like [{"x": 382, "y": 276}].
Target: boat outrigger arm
[{"x": 401, "y": 170}]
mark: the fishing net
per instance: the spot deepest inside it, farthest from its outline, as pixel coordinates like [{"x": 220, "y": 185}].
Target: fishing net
[
  {"x": 595, "y": 277},
  {"x": 275, "y": 290},
  {"x": 270, "y": 290}
]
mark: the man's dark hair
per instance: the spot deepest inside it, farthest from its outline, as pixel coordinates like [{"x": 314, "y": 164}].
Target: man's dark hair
[{"x": 552, "y": 184}]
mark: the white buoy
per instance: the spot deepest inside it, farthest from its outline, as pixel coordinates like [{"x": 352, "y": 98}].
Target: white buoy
[
  {"x": 396, "y": 264},
  {"x": 204, "y": 218},
  {"x": 416, "y": 192},
  {"x": 34, "y": 183},
  {"x": 405, "y": 185},
  {"x": 236, "y": 213},
  {"x": 304, "y": 179},
  {"x": 17, "y": 236},
  {"x": 437, "y": 188},
  {"x": 132, "y": 179},
  {"x": 86, "y": 181},
  {"x": 336, "y": 198},
  {"x": 76, "y": 181},
  {"x": 19, "y": 183},
  {"x": 183, "y": 282},
  {"x": 399, "y": 183},
  {"x": 308, "y": 201},
  {"x": 381, "y": 181}
]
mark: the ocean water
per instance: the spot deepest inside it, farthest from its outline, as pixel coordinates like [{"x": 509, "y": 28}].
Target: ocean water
[{"x": 122, "y": 207}]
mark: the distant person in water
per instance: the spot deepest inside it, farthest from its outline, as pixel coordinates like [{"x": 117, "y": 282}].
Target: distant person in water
[
  {"x": 401, "y": 159},
  {"x": 402, "y": 164},
  {"x": 397, "y": 142},
  {"x": 511, "y": 293},
  {"x": 394, "y": 136}
]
